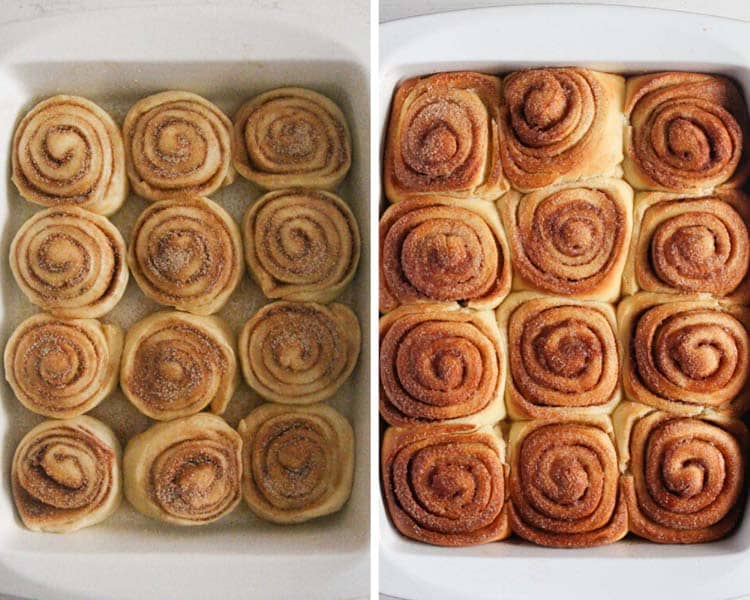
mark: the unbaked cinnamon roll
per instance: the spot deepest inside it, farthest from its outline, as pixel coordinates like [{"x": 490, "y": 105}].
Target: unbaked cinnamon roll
[
  {"x": 298, "y": 461},
  {"x": 683, "y": 477},
  {"x": 564, "y": 483},
  {"x": 560, "y": 124},
  {"x": 292, "y": 137},
  {"x": 178, "y": 145},
  {"x": 186, "y": 254},
  {"x": 441, "y": 363},
  {"x": 438, "y": 249},
  {"x": 563, "y": 356},
  {"x": 66, "y": 475},
  {"x": 685, "y": 355},
  {"x": 175, "y": 364},
  {"x": 184, "y": 472},
  {"x": 70, "y": 262},
  {"x": 446, "y": 484},
  {"x": 299, "y": 352},
  {"x": 691, "y": 245},
  {"x": 62, "y": 368},
  {"x": 68, "y": 151},
  {"x": 686, "y": 131},
  {"x": 301, "y": 245},
  {"x": 570, "y": 240},
  {"x": 443, "y": 138}
]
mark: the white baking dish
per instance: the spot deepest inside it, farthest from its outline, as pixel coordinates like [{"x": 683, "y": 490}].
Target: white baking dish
[
  {"x": 616, "y": 39},
  {"x": 115, "y": 58}
]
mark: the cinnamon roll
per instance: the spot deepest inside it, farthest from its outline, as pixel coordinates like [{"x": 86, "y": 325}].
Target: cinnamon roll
[
  {"x": 175, "y": 364},
  {"x": 70, "y": 262},
  {"x": 441, "y": 363},
  {"x": 563, "y": 356},
  {"x": 186, "y": 254},
  {"x": 560, "y": 124},
  {"x": 178, "y": 145},
  {"x": 682, "y": 477},
  {"x": 66, "y": 475},
  {"x": 437, "y": 249},
  {"x": 298, "y": 461},
  {"x": 292, "y": 137},
  {"x": 686, "y": 131},
  {"x": 184, "y": 472},
  {"x": 446, "y": 484},
  {"x": 68, "y": 151},
  {"x": 571, "y": 240},
  {"x": 564, "y": 483},
  {"x": 301, "y": 245},
  {"x": 685, "y": 355},
  {"x": 62, "y": 368},
  {"x": 299, "y": 352},
  {"x": 443, "y": 138},
  {"x": 691, "y": 245}
]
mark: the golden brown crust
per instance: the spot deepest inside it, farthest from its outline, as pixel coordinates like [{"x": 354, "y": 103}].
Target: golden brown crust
[
  {"x": 299, "y": 352},
  {"x": 686, "y": 131},
  {"x": 66, "y": 475},
  {"x": 301, "y": 244},
  {"x": 440, "y": 363},
  {"x": 446, "y": 484},
  {"x": 292, "y": 137},
  {"x": 684, "y": 245},
  {"x": 683, "y": 476},
  {"x": 70, "y": 262},
  {"x": 685, "y": 355},
  {"x": 298, "y": 461},
  {"x": 62, "y": 368},
  {"x": 178, "y": 145},
  {"x": 563, "y": 356},
  {"x": 68, "y": 151},
  {"x": 186, "y": 254},
  {"x": 186, "y": 471},
  {"x": 436, "y": 248},
  {"x": 443, "y": 138},
  {"x": 570, "y": 240},
  {"x": 564, "y": 483},
  {"x": 560, "y": 124}
]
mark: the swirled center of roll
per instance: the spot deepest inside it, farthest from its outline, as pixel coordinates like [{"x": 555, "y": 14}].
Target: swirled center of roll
[
  {"x": 546, "y": 104},
  {"x": 182, "y": 255},
  {"x": 688, "y": 142},
  {"x": 691, "y": 355},
  {"x": 65, "y": 468}
]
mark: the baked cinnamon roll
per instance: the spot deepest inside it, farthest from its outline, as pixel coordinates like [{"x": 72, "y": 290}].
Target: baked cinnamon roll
[
  {"x": 683, "y": 477},
  {"x": 441, "y": 363},
  {"x": 62, "y": 368},
  {"x": 66, "y": 475},
  {"x": 178, "y": 145},
  {"x": 446, "y": 484},
  {"x": 184, "y": 472},
  {"x": 70, "y": 262},
  {"x": 68, "y": 151},
  {"x": 563, "y": 356},
  {"x": 175, "y": 364},
  {"x": 686, "y": 131},
  {"x": 685, "y": 354},
  {"x": 298, "y": 461},
  {"x": 564, "y": 483},
  {"x": 301, "y": 245},
  {"x": 691, "y": 245},
  {"x": 186, "y": 254},
  {"x": 560, "y": 124},
  {"x": 571, "y": 240},
  {"x": 443, "y": 138},
  {"x": 299, "y": 352},
  {"x": 292, "y": 137},
  {"x": 436, "y": 249}
]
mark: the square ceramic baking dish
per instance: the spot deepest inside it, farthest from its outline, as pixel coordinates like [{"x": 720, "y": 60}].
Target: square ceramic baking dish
[
  {"x": 615, "y": 39},
  {"x": 114, "y": 58}
]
